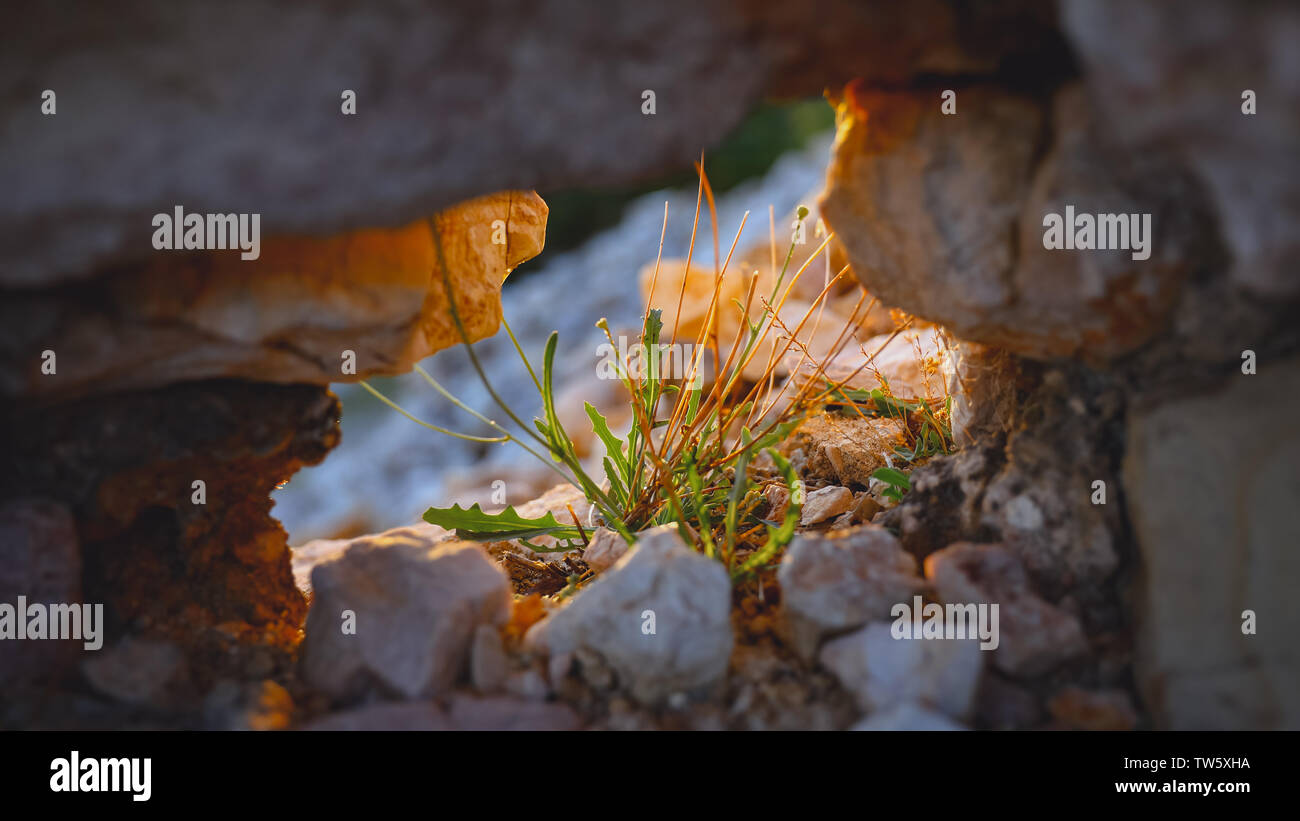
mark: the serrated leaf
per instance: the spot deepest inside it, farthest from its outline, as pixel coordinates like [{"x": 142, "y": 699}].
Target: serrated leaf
[{"x": 474, "y": 524}]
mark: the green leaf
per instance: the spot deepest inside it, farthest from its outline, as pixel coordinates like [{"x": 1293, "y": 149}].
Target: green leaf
[
  {"x": 613, "y": 445},
  {"x": 890, "y": 476},
  {"x": 475, "y": 525}
]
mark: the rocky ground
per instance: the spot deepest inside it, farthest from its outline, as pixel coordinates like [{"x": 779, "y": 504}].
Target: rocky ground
[{"x": 1125, "y": 478}]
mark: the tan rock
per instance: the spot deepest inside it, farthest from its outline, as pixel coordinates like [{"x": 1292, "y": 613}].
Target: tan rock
[
  {"x": 288, "y": 316},
  {"x": 983, "y": 272},
  {"x": 824, "y": 503},
  {"x": 846, "y": 448}
]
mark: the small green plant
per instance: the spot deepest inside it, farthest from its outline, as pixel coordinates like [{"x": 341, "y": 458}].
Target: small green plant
[
  {"x": 687, "y": 457},
  {"x": 896, "y": 483}
]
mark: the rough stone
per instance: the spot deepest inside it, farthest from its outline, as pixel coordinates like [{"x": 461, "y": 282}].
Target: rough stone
[
  {"x": 1034, "y": 636},
  {"x": 1210, "y": 484},
  {"x": 824, "y": 503},
  {"x": 882, "y": 671},
  {"x": 126, "y": 465},
  {"x": 687, "y": 595},
  {"x": 982, "y": 384},
  {"x": 983, "y": 272},
  {"x": 606, "y": 548},
  {"x": 235, "y": 143},
  {"x": 416, "y": 608},
  {"x": 840, "y": 580},
  {"x": 285, "y": 317},
  {"x": 846, "y": 448}
]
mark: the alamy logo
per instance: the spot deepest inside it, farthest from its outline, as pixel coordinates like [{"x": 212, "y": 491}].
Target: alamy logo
[
  {"x": 1101, "y": 232},
  {"x": 208, "y": 232},
  {"x": 949, "y": 621},
  {"x": 636, "y": 359},
  {"x": 53, "y": 621},
  {"x": 75, "y": 774}
]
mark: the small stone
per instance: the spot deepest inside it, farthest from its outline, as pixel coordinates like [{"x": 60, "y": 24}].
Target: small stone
[
  {"x": 660, "y": 617},
  {"x": 606, "y": 548},
  {"x": 416, "y": 606},
  {"x": 907, "y": 716},
  {"x": 865, "y": 507},
  {"x": 882, "y": 671},
  {"x": 821, "y": 504},
  {"x": 838, "y": 581},
  {"x": 846, "y": 448},
  {"x": 778, "y": 496},
  {"x": 1033, "y": 635}
]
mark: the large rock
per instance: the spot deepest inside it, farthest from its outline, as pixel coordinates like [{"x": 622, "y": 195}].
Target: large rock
[
  {"x": 1033, "y": 635},
  {"x": 1211, "y": 484},
  {"x": 883, "y": 672},
  {"x": 898, "y": 194},
  {"x": 415, "y": 606},
  {"x": 452, "y": 101},
  {"x": 1147, "y": 71},
  {"x": 660, "y": 618},
  {"x": 288, "y": 316},
  {"x": 160, "y": 551},
  {"x": 840, "y": 580},
  {"x": 1036, "y": 491}
]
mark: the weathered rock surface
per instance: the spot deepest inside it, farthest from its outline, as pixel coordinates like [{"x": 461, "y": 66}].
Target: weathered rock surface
[
  {"x": 1035, "y": 492},
  {"x": 846, "y": 448},
  {"x": 415, "y": 605},
  {"x": 83, "y": 184},
  {"x": 1210, "y": 485},
  {"x": 307, "y": 556},
  {"x": 883, "y": 672},
  {"x": 158, "y": 553},
  {"x": 898, "y": 192},
  {"x": 825, "y": 503},
  {"x": 1033, "y": 636},
  {"x": 982, "y": 384},
  {"x": 1146, "y": 70},
  {"x": 285, "y": 317},
  {"x": 840, "y": 580},
  {"x": 40, "y": 559},
  {"x": 660, "y": 618}
]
